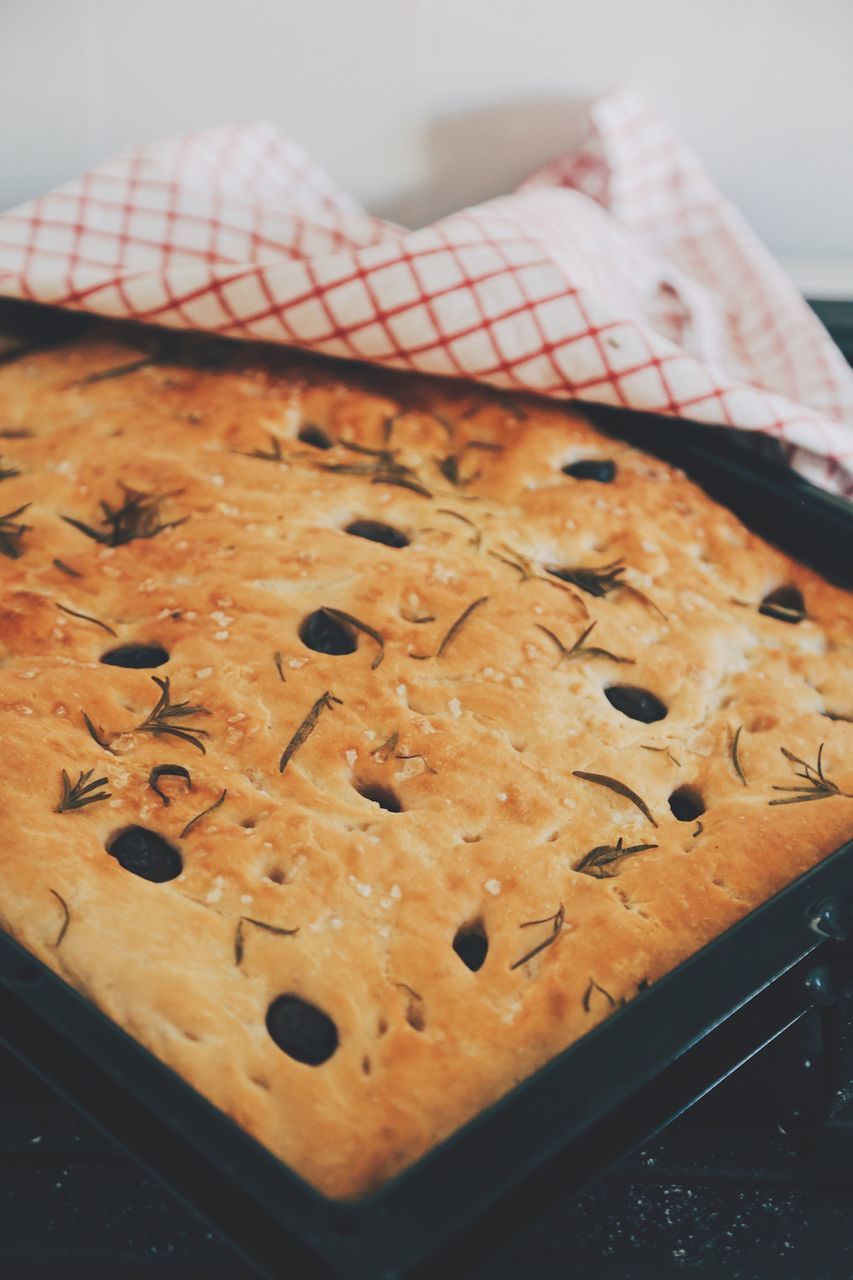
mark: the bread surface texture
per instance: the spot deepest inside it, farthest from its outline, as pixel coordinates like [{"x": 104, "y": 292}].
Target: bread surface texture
[{"x": 419, "y": 835}]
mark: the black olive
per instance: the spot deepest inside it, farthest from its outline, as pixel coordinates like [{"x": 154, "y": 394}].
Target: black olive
[
  {"x": 136, "y": 655},
  {"x": 323, "y": 633},
  {"x": 145, "y": 854},
  {"x": 472, "y": 945},
  {"x": 785, "y": 604},
  {"x": 600, "y": 469},
  {"x": 637, "y": 704},
  {"x": 376, "y": 531},
  {"x": 686, "y": 804},
  {"x": 383, "y": 796},
  {"x": 315, "y": 436},
  {"x": 302, "y": 1030}
]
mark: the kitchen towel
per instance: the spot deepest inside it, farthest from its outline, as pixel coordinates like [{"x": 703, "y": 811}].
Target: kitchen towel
[{"x": 617, "y": 273}]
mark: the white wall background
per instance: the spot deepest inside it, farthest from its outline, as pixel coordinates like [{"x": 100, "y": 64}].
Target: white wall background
[{"x": 420, "y": 106}]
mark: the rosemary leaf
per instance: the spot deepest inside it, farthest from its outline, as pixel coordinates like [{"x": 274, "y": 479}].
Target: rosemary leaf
[
  {"x": 12, "y": 531},
  {"x": 93, "y": 733},
  {"x": 117, "y": 371},
  {"x": 402, "y": 482},
  {"x": 451, "y": 635},
  {"x": 349, "y": 620},
  {"x": 66, "y": 568},
  {"x": 478, "y": 534},
  {"x": 168, "y": 771},
  {"x": 239, "y": 941},
  {"x": 736, "y": 764},
  {"x": 620, "y": 788},
  {"x": 593, "y": 986},
  {"x": 326, "y": 700},
  {"x": 66, "y": 918},
  {"x": 204, "y": 813},
  {"x": 278, "y": 666},
  {"x": 87, "y": 617},
  {"x": 666, "y": 750},
  {"x": 387, "y": 749},
  {"x": 6, "y": 473}
]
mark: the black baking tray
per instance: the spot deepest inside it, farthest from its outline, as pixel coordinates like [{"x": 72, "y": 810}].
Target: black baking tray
[{"x": 560, "y": 1129}]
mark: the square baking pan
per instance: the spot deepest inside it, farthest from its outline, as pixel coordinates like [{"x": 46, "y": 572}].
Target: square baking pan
[{"x": 558, "y": 1130}]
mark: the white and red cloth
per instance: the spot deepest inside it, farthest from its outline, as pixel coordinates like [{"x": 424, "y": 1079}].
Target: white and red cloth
[{"x": 617, "y": 273}]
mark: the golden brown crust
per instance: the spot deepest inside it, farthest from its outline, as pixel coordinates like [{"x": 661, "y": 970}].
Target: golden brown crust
[{"x": 491, "y": 731}]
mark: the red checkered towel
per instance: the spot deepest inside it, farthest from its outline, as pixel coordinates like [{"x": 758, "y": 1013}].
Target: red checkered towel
[{"x": 617, "y": 273}]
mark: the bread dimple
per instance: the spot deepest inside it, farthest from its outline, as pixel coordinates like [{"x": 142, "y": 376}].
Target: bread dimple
[{"x": 477, "y": 700}]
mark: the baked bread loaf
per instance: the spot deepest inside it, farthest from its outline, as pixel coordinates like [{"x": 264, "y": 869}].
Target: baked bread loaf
[{"x": 367, "y": 739}]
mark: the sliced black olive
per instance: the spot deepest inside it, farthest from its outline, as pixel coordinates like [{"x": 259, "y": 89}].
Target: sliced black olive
[
  {"x": 136, "y": 655},
  {"x": 472, "y": 945},
  {"x": 686, "y": 804},
  {"x": 785, "y": 604},
  {"x": 145, "y": 854},
  {"x": 383, "y": 796},
  {"x": 323, "y": 633},
  {"x": 637, "y": 704},
  {"x": 600, "y": 469},
  {"x": 315, "y": 436},
  {"x": 376, "y": 531},
  {"x": 301, "y": 1030}
]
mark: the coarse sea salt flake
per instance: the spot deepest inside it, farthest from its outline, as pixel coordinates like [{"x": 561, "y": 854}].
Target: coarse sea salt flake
[
  {"x": 493, "y": 887},
  {"x": 455, "y": 708}
]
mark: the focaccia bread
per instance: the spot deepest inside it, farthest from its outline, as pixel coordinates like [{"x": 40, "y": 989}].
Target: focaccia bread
[{"x": 476, "y": 722}]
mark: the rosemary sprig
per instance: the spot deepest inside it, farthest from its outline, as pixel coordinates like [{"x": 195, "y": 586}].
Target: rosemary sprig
[
  {"x": 63, "y": 929},
  {"x": 528, "y": 571},
  {"x": 350, "y": 621},
  {"x": 95, "y": 735},
  {"x": 6, "y": 473},
  {"x": 736, "y": 764},
  {"x": 12, "y": 531},
  {"x": 66, "y": 568},
  {"x": 382, "y": 466},
  {"x": 277, "y": 659},
  {"x": 556, "y": 921},
  {"x": 580, "y": 649},
  {"x": 591, "y": 863},
  {"x": 594, "y": 986},
  {"x": 613, "y": 784},
  {"x": 82, "y": 792},
  {"x": 326, "y": 700},
  {"x": 699, "y": 828},
  {"x": 818, "y": 787},
  {"x": 597, "y": 582},
  {"x": 164, "y": 711},
  {"x": 239, "y": 941},
  {"x": 168, "y": 771},
  {"x": 137, "y": 517},
  {"x": 457, "y": 626},
  {"x": 211, "y": 808},
  {"x": 117, "y": 371},
  {"x": 86, "y": 617}
]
